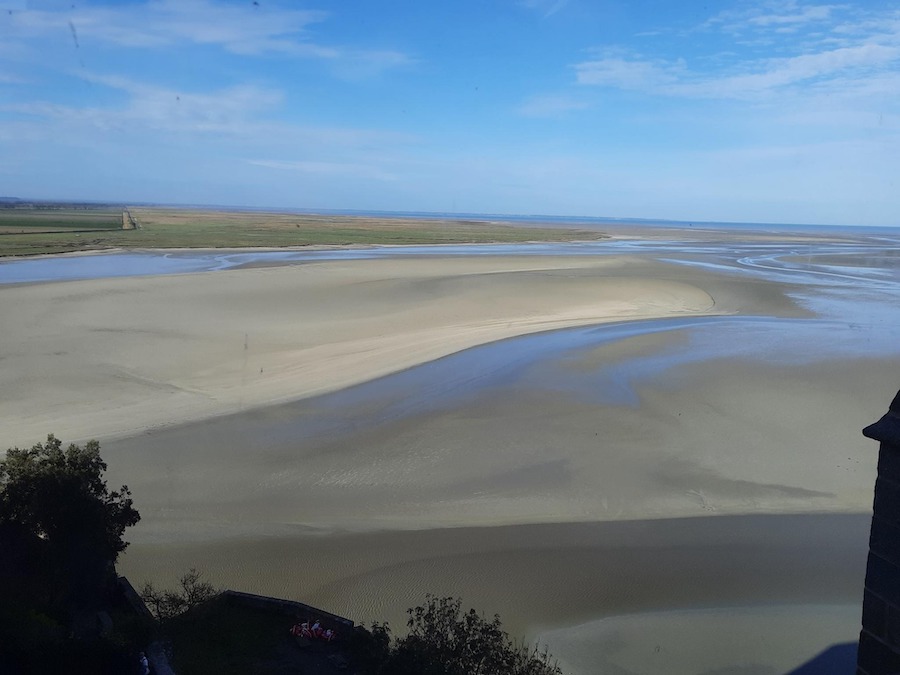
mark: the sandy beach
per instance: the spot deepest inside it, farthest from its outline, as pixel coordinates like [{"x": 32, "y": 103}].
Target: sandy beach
[
  {"x": 127, "y": 355},
  {"x": 359, "y": 433}
]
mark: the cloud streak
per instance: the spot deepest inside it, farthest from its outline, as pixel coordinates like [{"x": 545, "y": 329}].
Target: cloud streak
[
  {"x": 150, "y": 107},
  {"x": 225, "y": 117},
  {"x": 782, "y": 16},
  {"x": 843, "y": 68},
  {"x": 546, "y": 8},
  {"x": 246, "y": 30},
  {"x": 326, "y": 168},
  {"x": 628, "y": 73},
  {"x": 168, "y": 22},
  {"x": 834, "y": 66},
  {"x": 550, "y": 105}
]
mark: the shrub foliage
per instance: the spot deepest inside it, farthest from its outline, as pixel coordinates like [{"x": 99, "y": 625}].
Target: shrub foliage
[
  {"x": 165, "y": 604},
  {"x": 444, "y": 640}
]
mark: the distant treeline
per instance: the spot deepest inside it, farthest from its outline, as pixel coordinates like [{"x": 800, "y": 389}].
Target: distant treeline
[{"x": 22, "y": 204}]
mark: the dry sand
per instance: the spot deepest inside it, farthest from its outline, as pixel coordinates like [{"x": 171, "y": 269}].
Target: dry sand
[
  {"x": 125, "y": 355},
  {"x": 193, "y": 384}
]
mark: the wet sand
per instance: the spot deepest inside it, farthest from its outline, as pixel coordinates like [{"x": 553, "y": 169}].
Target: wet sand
[
  {"x": 570, "y": 481},
  {"x": 368, "y": 518},
  {"x": 544, "y": 575},
  {"x": 754, "y": 640},
  {"x": 719, "y": 438},
  {"x": 601, "y": 595}
]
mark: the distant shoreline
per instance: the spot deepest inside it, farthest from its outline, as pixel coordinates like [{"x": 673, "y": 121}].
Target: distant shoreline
[
  {"x": 28, "y": 232},
  {"x": 525, "y": 219}
]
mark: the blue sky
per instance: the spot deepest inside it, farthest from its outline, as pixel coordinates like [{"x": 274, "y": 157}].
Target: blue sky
[{"x": 726, "y": 111}]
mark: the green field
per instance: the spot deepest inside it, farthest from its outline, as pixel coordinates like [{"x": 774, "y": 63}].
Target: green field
[
  {"x": 33, "y": 221},
  {"x": 37, "y": 231}
]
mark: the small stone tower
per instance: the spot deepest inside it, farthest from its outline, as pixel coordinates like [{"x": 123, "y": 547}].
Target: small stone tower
[{"x": 879, "y": 640}]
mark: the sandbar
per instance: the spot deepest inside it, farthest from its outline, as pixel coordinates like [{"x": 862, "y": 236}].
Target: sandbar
[{"x": 130, "y": 354}]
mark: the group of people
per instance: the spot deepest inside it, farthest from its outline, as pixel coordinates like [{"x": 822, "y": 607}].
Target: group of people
[{"x": 313, "y": 632}]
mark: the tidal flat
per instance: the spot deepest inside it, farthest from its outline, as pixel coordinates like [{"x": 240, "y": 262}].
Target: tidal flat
[{"x": 659, "y": 429}]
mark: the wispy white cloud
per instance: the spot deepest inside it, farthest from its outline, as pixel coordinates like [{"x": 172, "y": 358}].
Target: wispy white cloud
[
  {"x": 843, "y": 68},
  {"x": 627, "y": 72},
  {"x": 885, "y": 25},
  {"x": 151, "y": 107},
  {"x": 550, "y": 105},
  {"x": 246, "y": 114},
  {"x": 837, "y": 65},
  {"x": 237, "y": 28},
  {"x": 545, "y": 7},
  {"x": 246, "y": 29},
  {"x": 803, "y": 16},
  {"x": 326, "y": 168},
  {"x": 783, "y": 16}
]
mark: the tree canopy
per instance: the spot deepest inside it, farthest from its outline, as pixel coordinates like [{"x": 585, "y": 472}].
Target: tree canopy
[
  {"x": 56, "y": 505},
  {"x": 442, "y": 640}
]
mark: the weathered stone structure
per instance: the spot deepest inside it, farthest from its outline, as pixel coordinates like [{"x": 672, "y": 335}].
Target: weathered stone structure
[{"x": 879, "y": 640}]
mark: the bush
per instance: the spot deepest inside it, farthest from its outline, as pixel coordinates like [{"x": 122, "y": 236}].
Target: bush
[
  {"x": 371, "y": 648},
  {"x": 166, "y": 604},
  {"x": 442, "y": 640}
]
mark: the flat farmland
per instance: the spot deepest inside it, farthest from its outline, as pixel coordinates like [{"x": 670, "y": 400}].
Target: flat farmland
[
  {"x": 56, "y": 230},
  {"x": 40, "y": 231}
]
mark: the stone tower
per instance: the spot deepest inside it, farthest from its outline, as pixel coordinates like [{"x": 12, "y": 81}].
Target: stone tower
[{"x": 879, "y": 640}]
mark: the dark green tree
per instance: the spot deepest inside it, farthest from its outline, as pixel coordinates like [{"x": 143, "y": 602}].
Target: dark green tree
[
  {"x": 371, "y": 647},
  {"x": 58, "y": 501},
  {"x": 166, "y": 604},
  {"x": 443, "y": 640}
]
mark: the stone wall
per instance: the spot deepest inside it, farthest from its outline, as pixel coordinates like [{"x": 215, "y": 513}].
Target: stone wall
[{"x": 879, "y": 640}]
